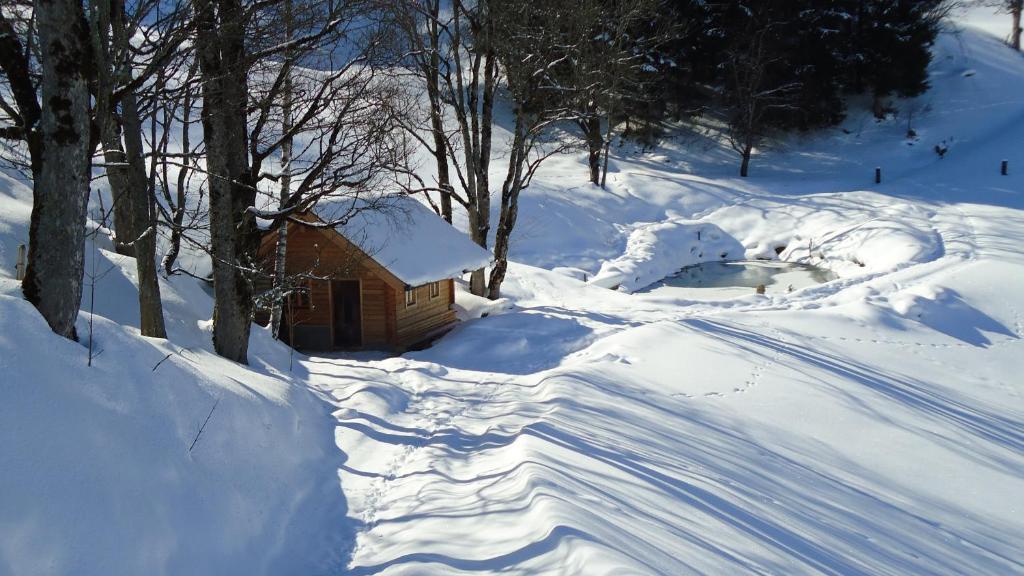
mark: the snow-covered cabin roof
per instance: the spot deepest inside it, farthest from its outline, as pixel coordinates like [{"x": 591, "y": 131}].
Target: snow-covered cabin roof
[{"x": 405, "y": 237}]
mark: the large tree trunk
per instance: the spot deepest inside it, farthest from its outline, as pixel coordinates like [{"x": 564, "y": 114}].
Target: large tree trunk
[
  {"x": 220, "y": 45},
  {"x": 53, "y": 280}
]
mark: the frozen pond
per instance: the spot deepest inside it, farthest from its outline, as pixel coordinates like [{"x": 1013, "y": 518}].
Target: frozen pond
[{"x": 723, "y": 280}]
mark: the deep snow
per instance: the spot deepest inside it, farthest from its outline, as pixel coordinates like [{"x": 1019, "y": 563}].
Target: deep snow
[{"x": 868, "y": 425}]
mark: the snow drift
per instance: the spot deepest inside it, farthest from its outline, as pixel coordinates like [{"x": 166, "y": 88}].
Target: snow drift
[
  {"x": 104, "y": 467},
  {"x": 658, "y": 249}
]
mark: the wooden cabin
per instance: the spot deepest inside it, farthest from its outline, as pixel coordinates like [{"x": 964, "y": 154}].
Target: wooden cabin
[{"x": 383, "y": 280}]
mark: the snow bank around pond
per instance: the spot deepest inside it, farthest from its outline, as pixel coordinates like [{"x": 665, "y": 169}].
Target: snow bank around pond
[
  {"x": 655, "y": 250},
  {"x": 850, "y": 234}
]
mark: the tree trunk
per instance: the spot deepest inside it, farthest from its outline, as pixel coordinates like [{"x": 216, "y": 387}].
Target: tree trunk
[
  {"x": 121, "y": 214},
  {"x": 595, "y": 146},
  {"x": 607, "y": 152},
  {"x": 436, "y": 118},
  {"x": 53, "y": 280},
  {"x": 109, "y": 128},
  {"x": 748, "y": 147},
  {"x": 126, "y": 172},
  {"x": 1015, "y": 11},
  {"x": 509, "y": 208},
  {"x": 286, "y": 182},
  {"x": 481, "y": 224},
  {"x": 178, "y": 216},
  {"x": 220, "y": 47},
  {"x": 143, "y": 218}
]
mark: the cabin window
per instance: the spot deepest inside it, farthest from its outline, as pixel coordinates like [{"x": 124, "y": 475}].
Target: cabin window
[
  {"x": 300, "y": 297},
  {"x": 410, "y": 297},
  {"x": 435, "y": 290}
]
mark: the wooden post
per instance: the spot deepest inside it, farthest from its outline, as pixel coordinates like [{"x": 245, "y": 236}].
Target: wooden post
[
  {"x": 1004, "y": 168},
  {"x": 878, "y": 175},
  {"x": 19, "y": 266}
]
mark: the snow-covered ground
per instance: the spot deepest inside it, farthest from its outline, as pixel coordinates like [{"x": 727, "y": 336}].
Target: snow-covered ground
[
  {"x": 873, "y": 424},
  {"x": 103, "y": 469}
]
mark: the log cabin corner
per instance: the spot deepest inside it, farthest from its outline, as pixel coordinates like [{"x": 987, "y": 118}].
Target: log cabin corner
[{"x": 382, "y": 280}]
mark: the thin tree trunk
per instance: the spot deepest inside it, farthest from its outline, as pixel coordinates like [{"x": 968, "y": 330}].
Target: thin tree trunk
[
  {"x": 178, "y": 217},
  {"x": 483, "y": 194},
  {"x": 595, "y": 146},
  {"x": 480, "y": 221},
  {"x": 151, "y": 313},
  {"x": 220, "y": 44},
  {"x": 509, "y": 209},
  {"x": 436, "y": 118},
  {"x": 127, "y": 171},
  {"x": 1015, "y": 11},
  {"x": 607, "y": 152},
  {"x": 53, "y": 280},
  {"x": 286, "y": 180},
  {"x": 745, "y": 164},
  {"x": 107, "y": 69}
]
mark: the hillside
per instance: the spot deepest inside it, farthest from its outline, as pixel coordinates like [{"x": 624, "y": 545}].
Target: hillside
[{"x": 871, "y": 424}]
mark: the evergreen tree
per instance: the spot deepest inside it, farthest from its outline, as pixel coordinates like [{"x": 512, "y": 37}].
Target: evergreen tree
[{"x": 891, "y": 47}]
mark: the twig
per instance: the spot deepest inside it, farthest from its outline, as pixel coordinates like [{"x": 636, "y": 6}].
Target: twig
[
  {"x": 203, "y": 427},
  {"x": 169, "y": 354}
]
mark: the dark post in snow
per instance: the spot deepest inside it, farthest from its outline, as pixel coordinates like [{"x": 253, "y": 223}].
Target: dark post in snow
[
  {"x": 878, "y": 175},
  {"x": 1004, "y": 167}
]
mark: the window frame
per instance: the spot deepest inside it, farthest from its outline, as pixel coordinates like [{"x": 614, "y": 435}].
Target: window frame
[
  {"x": 411, "y": 298},
  {"x": 435, "y": 290}
]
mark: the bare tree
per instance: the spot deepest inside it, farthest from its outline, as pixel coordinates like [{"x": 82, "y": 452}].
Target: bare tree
[
  {"x": 469, "y": 75},
  {"x": 120, "y": 129},
  {"x": 221, "y": 52},
  {"x": 1014, "y": 9},
  {"x": 340, "y": 114},
  {"x": 531, "y": 42},
  {"x": 423, "y": 33},
  {"x": 52, "y": 118},
  {"x": 611, "y": 51},
  {"x": 751, "y": 91}
]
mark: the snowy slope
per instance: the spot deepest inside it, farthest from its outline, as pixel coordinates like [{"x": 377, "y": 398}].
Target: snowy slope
[
  {"x": 99, "y": 472},
  {"x": 870, "y": 425}
]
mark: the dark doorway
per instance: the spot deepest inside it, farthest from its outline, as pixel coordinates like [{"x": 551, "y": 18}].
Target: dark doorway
[{"x": 348, "y": 331}]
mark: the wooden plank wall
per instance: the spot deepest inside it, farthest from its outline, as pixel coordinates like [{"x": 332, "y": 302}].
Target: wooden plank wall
[
  {"x": 414, "y": 323},
  {"x": 310, "y": 251},
  {"x": 386, "y": 319}
]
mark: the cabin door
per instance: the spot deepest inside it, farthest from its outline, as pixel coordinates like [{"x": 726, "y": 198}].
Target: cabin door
[{"x": 348, "y": 326}]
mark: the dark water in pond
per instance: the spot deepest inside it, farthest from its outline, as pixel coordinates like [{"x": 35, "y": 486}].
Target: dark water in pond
[{"x": 748, "y": 274}]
